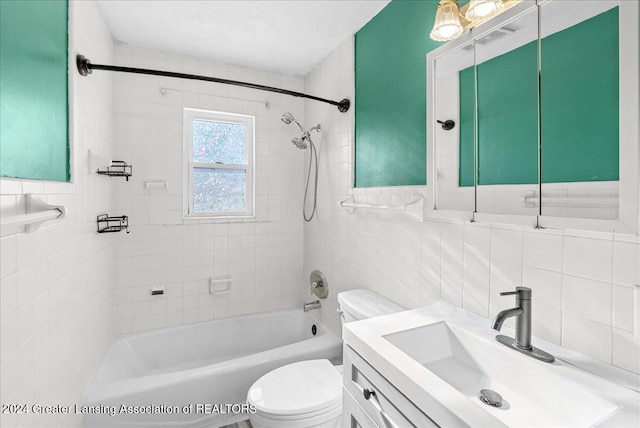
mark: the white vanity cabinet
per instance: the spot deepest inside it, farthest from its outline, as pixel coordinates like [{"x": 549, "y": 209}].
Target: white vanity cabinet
[{"x": 369, "y": 400}]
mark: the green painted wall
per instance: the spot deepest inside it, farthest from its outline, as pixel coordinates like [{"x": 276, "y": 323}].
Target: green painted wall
[
  {"x": 580, "y": 102},
  {"x": 390, "y": 101},
  {"x": 508, "y": 118},
  {"x": 466, "y": 168},
  {"x": 34, "y": 130},
  {"x": 579, "y": 114}
]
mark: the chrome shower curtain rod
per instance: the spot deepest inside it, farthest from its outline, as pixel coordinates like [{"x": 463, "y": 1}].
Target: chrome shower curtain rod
[{"x": 85, "y": 67}]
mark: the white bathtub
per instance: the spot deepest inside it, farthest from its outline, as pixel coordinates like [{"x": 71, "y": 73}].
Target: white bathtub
[{"x": 213, "y": 362}]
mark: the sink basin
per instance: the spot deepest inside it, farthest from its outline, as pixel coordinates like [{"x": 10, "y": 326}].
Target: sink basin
[
  {"x": 533, "y": 392},
  {"x": 436, "y": 347}
]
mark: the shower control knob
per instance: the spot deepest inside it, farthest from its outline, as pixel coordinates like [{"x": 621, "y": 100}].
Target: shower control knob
[{"x": 368, "y": 393}]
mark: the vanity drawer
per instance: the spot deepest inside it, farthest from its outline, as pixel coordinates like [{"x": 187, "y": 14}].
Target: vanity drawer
[
  {"x": 354, "y": 416},
  {"x": 387, "y": 406}
]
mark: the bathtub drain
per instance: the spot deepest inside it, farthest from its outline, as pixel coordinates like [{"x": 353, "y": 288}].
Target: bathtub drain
[{"x": 314, "y": 330}]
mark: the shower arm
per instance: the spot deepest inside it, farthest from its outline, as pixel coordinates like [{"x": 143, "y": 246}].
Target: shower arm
[{"x": 86, "y": 67}]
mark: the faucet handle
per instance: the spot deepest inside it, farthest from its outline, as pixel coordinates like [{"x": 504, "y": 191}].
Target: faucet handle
[{"x": 522, "y": 292}]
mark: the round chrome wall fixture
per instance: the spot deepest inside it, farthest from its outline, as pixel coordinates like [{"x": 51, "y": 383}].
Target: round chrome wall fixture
[{"x": 319, "y": 284}]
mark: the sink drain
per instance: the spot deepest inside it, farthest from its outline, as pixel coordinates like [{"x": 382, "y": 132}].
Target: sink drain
[{"x": 490, "y": 398}]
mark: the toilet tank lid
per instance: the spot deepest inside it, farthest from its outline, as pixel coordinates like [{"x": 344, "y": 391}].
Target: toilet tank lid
[{"x": 363, "y": 304}]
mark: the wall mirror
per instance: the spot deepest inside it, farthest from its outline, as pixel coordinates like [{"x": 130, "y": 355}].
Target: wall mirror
[
  {"x": 546, "y": 101},
  {"x": 507, "y": 109},
  {"x": 580, "y": 103},
  {"x": 454, "y": 81}
]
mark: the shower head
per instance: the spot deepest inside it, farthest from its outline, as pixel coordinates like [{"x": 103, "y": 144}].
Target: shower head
[
  {"x": 299, "y": 143},
  {"x": 287, "y": 118}
]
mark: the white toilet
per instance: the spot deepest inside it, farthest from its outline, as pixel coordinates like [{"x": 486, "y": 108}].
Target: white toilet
[{"x": 308, "y": 394}]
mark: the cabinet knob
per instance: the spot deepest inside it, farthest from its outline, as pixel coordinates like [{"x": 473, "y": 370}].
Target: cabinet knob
[{"x": 368, "y": 393}]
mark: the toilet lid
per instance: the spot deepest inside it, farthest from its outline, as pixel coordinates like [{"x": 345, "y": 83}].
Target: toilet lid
[{"x": 298, "y": 388}]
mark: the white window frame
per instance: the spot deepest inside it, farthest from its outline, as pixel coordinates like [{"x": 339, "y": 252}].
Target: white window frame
[{"x": 191, "y": 115}]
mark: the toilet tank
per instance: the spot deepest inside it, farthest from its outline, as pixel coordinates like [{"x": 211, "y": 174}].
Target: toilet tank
[{"x": 362, "y": 304}]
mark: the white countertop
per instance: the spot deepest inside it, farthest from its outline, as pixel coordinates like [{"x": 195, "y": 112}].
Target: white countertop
[{"x": 615, "y": 388}]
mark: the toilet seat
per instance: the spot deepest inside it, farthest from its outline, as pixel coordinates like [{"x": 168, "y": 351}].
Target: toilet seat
[{"x": 300, "y": 391}]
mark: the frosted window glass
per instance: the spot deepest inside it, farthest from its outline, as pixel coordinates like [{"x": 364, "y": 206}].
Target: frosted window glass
[
  {"x": 218, "y": 142},
  {"x": 219, "y": 190}
]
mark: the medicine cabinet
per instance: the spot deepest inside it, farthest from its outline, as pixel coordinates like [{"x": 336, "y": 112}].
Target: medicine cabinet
[{"x": 544, "y": 99}]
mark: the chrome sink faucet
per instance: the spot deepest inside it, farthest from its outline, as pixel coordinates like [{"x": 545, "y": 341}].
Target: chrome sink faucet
[{"x": 522, "y": 312}]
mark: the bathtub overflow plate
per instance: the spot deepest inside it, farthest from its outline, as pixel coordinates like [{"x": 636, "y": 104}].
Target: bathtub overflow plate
[{"x": 319, "y": 285}]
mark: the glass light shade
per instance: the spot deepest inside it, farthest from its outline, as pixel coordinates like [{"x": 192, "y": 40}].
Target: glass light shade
[
  {"x": 480, "y": 10},
  {"x": 447, "y": 25}
]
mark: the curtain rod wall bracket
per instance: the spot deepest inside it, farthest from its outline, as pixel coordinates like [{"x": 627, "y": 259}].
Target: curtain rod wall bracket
[
  {"x": 85, "y": 67},
  {"x": 343, "y": 105}
]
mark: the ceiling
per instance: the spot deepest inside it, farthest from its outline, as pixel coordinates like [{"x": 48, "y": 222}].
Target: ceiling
[{"x": 287, "y": 36}]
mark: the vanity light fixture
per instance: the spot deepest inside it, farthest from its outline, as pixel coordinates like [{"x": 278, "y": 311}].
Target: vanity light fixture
[
  {"x": 447, "y": 25},
  {"x": 480, "y": 10},
  {"x": 452, "y": 21}
]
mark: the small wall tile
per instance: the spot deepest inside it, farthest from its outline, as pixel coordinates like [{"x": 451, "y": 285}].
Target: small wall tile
[
  {"x": 476, "y": 270},
  {"x": 505, "y": 276},
  {"x": 588, "y": 258},
  {"x": 586, "y": 336},
  {"x": 587, "y": 298},
  {"x": 626, "y": 262},
  {"x": 543, "y": 250},
  {"x": 547, "y": 323},
  {"x": 506, "y": 245},
  {"x": 626, "y": 350},
  {"x": 546, "y": 286},
  {"x": 8, "y": 256},
  {"x": 477, "y": 240},
  {"x": 623, "y": 303},
  {"x": 476, "y": 299}
]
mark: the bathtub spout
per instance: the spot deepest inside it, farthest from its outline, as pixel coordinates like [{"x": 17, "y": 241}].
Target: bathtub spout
[{"x": 311, "y": 305}]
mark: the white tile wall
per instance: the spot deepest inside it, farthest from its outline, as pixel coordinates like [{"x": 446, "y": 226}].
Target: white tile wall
[
  {"x": 263, "y": 256},
  {"x": 56, "y": 283},
  {"x": 583, "y": 283}
]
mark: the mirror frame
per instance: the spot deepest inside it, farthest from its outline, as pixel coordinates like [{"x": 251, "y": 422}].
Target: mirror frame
[{"x": 629, "y": 188}]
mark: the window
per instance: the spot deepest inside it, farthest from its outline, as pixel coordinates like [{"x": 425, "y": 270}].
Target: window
[{"x": 218, "y": 164}]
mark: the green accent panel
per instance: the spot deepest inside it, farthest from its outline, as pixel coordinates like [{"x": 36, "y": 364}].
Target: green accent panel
[
  {"x": 390, "y": 102},
  {"x": 580, "y": 102},
  {"x": 579, "y": 114},
  {"x": 508, "y": 117},
  {"x": 467, "y": 127},
  {"x": 34, "y": 129}
]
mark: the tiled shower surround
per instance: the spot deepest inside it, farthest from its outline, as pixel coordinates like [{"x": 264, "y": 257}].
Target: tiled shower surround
[
  {"x": 262, "y": 255},
  {"x": 584, "y": 284}
]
